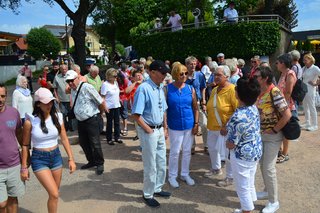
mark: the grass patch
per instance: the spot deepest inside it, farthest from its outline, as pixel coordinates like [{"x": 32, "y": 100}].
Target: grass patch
[{"x": 13, "y": 80}]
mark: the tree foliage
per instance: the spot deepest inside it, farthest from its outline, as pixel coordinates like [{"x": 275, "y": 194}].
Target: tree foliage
[{"x": 42, "y": 42}]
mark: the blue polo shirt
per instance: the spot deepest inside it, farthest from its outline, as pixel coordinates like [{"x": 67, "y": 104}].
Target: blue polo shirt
[
  {"x": 150, "y": 103},
  {"x": 198, "y": 82}
]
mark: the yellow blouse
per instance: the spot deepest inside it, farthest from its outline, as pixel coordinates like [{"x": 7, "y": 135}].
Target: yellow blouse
[{"x": 226, "y": 105}]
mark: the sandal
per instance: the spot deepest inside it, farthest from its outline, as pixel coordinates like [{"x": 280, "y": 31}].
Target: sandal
[{"x": 281, "y": 158}]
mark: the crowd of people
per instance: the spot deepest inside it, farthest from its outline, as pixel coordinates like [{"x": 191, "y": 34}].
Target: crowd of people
[{"x": 238, "y": 112}]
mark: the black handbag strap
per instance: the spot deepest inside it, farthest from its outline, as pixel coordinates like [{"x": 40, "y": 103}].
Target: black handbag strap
[{"x": 75, "y": 100}]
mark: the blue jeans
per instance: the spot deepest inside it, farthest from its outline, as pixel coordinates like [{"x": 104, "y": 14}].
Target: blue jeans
[
  {"x": 41, "y": 160},
  {"x": 154, "y": 160}
]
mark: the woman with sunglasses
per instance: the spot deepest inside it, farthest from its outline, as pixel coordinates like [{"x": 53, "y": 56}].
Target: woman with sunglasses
[
  {"x": 111, "y": 93},
  {"x": 183, "y": 120},
  {"x": 43, "y": 128},
  {"x": 270, "y": 103}
]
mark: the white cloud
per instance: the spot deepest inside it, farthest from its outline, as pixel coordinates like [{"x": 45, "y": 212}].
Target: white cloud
[{"x": 18, "y": 29}]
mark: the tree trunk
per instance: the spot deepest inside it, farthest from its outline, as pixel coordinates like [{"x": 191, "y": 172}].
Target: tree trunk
[{"x": 79, "y": 34}]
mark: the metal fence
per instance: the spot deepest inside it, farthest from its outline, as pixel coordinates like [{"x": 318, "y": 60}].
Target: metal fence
[{"x": 248, "y": 18}]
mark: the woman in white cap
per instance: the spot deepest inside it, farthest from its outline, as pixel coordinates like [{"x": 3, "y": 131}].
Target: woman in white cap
[{"x": 43, "y": 128}]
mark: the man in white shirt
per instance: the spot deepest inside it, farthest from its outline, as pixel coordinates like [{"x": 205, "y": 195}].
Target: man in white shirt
[
  {"x": 174, "y": 21},
  {"x": 205, "y": 69},
  {"x": 230, "y": 14}
]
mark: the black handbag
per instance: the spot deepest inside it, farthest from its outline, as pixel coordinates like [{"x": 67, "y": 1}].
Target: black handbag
[
  {"x": 71, "y": 114},
  {"x": 291, "y": 131}
]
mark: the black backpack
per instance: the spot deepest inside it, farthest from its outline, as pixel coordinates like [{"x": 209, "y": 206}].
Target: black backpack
[{"x": 299, "y": 91}]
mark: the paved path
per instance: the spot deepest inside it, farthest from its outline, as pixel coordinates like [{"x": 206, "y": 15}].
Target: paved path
[{"x": 119, "y": 188}]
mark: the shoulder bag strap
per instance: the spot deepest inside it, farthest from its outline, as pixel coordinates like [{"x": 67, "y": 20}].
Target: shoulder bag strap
[
  {"x": 215, "y": 109},
  {"x": 75, "y": 100}
]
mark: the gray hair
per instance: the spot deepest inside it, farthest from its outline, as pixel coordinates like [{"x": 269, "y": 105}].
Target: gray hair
[
  {"x": 94, "y": 68},
  {"x": 190, "y": 59},
  {"x": 225, "y": 69},
  {"x": 208, "y": 58},
  {"x": 213, "y": 66},
  {"x": 142, "y": 60},
  {"x": 76, "y": 67},
  {"x": 295, "y": 54},
  {"x": 232, "y": 64},
  {"x": 20, "y": 79},
  {"x": 241, "y": 62}
]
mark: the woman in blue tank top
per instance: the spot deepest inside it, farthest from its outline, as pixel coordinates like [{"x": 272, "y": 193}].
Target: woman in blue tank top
[{"x": 183, "y": 119}]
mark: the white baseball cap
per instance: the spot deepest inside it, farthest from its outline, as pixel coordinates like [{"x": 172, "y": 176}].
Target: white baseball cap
[
  {"x": 71, "y": 74},
  {"x": 43, "y": 95}
]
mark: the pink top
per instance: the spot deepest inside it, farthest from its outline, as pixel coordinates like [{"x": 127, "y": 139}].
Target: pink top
[
  {"x": 282, "y": 86},
  {"x": 26, "y": 71}
]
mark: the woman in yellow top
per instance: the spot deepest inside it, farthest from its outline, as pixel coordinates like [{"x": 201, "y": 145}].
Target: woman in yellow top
[{"x": 220, "y": 107}]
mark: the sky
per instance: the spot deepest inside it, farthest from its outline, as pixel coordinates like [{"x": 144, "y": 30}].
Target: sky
[{"x": 39, "y": 14}]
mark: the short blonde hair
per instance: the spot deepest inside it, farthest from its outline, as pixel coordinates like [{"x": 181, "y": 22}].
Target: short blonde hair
[
  {"x": 177, "y": 69},
  {"x": 110, "y": 72},
  {"x": 94, "y": 68},
  {"x": 310, "y": 57}
]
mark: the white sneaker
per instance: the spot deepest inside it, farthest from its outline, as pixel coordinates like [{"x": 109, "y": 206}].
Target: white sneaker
[
  {"x": 237, "y": 211},
  {"x": 188, "y": 180},
  {"x": 271, "y": 207},
  {"x": 226, "y": 182},
  {"x": 312, "y": 128},
  {"x": 262, "y": 195},
  {"x": 213, "y": 173},
  {"x": 173, "y": 183}
]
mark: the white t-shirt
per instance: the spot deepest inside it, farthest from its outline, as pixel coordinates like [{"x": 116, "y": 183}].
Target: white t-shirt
[
  {"x": 206, "y": 71},
  {"x": 310, "y": 74},
  {"x": 231, "y": 15},
  {"x": 38, "y": 138},
  {"x": 175, "y": 22},
  {"x": 22, "y": 103},
  {"x": 112, "y": 94}
]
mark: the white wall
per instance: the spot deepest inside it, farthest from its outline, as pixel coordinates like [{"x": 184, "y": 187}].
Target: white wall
[{"x": 9, "y": 72}]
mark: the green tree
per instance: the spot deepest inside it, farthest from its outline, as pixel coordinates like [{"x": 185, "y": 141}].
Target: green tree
[
  {"x": 42, "y": 42},
  {"x": 79, "y": 18}
]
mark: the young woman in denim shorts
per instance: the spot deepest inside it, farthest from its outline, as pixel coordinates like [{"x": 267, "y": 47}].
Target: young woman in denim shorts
[{"x": 44, "y": 127}]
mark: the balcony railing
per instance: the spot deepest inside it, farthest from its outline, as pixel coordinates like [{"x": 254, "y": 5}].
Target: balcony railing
[{"x": 246, "y": 19}]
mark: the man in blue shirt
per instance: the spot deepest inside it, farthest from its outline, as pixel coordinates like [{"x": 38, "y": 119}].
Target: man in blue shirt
[
  {"x": 198, "y": 81},
  {"x": 149, "y": 112}
]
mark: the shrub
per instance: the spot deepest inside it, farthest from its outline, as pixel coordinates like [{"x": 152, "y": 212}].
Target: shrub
[{"x": 241, "y": 40}]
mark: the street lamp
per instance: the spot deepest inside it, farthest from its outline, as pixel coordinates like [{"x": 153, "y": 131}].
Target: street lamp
[{"x": 66, "y": 36}]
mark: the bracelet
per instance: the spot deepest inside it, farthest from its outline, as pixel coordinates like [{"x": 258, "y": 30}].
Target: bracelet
[
  {"x": 23, "y": 169},
  {"x": 196, "y": 123},
  {"x": 274, "y": 131},
  {"x": 70, "y": 159}
]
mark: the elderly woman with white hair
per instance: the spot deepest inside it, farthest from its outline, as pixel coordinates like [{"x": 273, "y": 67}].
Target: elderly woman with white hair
[
  {"x": 21, "y": 98},
  {"x": 220, "y": 107}
]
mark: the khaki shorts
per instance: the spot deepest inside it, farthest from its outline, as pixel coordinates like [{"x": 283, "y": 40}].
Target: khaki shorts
[{"x": 11, "y": 184}]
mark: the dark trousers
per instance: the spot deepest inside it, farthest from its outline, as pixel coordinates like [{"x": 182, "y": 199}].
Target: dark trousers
[
  {"x": 113, "y": 118},
  {"x": 89, "y": 139},
  {"x": 65, "y": 109},
  {"x": 30, "y": 83}
]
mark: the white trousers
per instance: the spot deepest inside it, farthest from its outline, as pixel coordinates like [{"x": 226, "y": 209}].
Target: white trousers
[
  {"x": 243, "y": 176},
  {"x": 218, "y": 151},
  {"x": 180, "y": 139},
  {"x": 309, "y": 108}
]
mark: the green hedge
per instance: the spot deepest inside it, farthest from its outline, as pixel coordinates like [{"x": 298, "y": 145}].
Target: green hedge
[{"x": 241, "y": 40}]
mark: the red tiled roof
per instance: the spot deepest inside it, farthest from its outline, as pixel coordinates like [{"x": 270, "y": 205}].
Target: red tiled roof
[{"x": 22, "y": 44}]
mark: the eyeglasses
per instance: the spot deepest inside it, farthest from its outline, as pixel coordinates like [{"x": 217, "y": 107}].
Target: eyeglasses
[
  {"x": 183, "y": 73},
  {"x": 115, "y": 76},
  {"x": 70, "y": 81},
  {"x": 256, "y": 76},
  {"x": 253, "y": 62}
]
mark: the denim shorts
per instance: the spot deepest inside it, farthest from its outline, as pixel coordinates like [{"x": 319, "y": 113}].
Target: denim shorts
[{"x": 41, "y": 160}]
